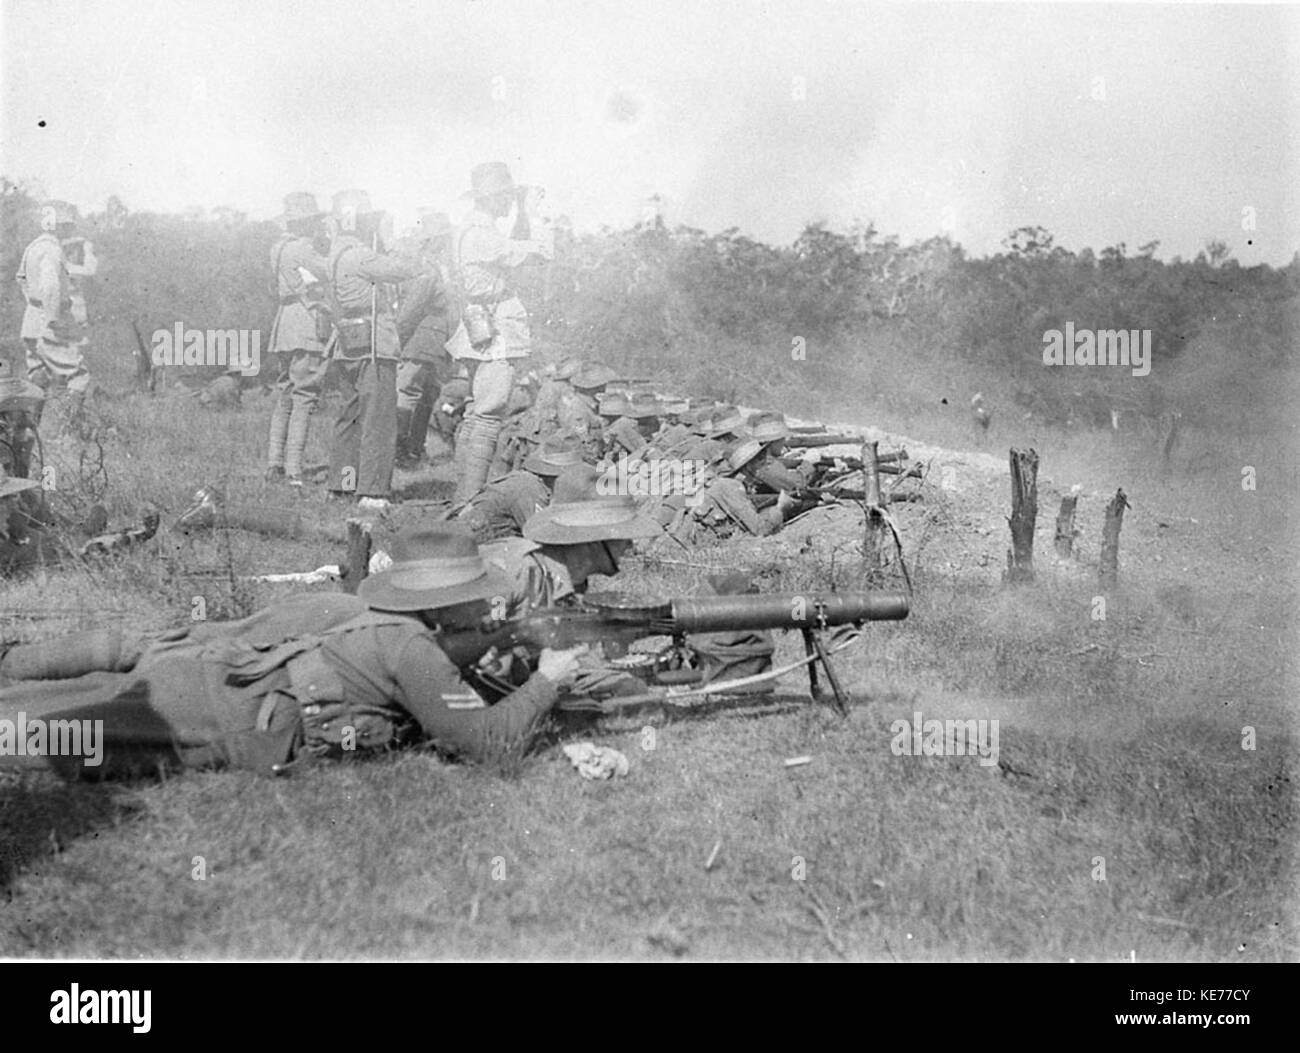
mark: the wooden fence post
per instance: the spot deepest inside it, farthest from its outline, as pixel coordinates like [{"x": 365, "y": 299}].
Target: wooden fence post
[
  {"x": 357, "y": 562},
  {"x": 1108, "y": 570},
  {"x": 1024, "y": 515},
  {"x": 873, "y": 542},
  {"x": 1065, "y": 532}
]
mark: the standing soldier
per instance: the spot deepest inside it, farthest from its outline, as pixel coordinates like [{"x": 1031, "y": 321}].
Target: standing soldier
[
  {"x": 424, "y": 324},
  {"x": 365, "y": 433},
  {"x": 494, "y": 324},
  {"x": 53, "y": 340},
  {"x": 300, "y": 336}
]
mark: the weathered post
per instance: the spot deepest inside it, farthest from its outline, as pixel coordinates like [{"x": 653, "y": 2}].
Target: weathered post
[
  {"x": 1108, "y": 570},
  {"x": 1065, "y": 532},
  {"x": 145, "y": 375},
  {"x": 1024, "y": 515},
  {"x": 1170, "y": 423},
  {"x": 357, "y": 562},
  {"x": 873, "y": 542}
]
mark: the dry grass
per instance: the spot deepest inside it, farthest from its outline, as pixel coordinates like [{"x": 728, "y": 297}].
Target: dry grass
[{"x": 1119, "y": 739}]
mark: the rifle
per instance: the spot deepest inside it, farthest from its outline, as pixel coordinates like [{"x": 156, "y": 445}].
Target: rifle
[
  {"x": 616, "y": 621},
  {"x": 853, "y": 466},
  {"x": 892, "y": 457},
  {"x": 803, "y": 441}
]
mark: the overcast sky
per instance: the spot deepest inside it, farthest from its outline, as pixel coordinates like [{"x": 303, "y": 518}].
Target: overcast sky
[{"x": 1102, "y": 123}]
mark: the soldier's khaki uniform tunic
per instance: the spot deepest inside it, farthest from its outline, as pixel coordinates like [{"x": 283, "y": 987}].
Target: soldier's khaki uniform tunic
[
  {"x": 365, "y": 434},
  {"x": 51, "y": 356},
  {"x": 316, "y": 674},
  {"x": 300, "y": 276},
  {"x": 424, "y": 325},
  {"x": 502, "y": 507},
  {"x": 485, "y": 261}
]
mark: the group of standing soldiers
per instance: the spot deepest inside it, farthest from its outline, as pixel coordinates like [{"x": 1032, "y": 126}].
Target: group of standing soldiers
[
  {"x": 456, "y": 312},
  {"x": 557, "y": 478},
  {"x": 455, "y": 304}
]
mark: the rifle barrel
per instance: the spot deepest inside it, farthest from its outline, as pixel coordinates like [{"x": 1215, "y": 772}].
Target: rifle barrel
[{"x": 800, "y": 441}]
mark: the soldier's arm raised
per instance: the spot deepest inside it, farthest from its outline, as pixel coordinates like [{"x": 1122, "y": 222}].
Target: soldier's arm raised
[{"x": 88, "y": 265}]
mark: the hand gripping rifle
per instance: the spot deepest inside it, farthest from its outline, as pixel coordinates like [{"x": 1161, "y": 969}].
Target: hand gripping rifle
[{"x": 616, "y": 621}]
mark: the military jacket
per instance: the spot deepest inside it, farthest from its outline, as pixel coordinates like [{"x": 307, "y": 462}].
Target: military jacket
[{"x": 300, "y": 276}]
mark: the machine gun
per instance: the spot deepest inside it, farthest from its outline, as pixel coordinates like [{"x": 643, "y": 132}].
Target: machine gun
[{"x": 615, "y": 620}]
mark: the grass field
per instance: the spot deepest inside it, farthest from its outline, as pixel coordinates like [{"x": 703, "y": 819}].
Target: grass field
[{"x": 1121, "y": 747}]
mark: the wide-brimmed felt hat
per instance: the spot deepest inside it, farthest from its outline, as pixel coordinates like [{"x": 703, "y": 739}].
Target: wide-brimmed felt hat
[
  {"x": 13, "y": 484},
  {"x": 624, "y": 431},
  {"x": 567, "y": 368},
  {"x": 489, "y": 178},
  {"x": 671, "y": 435},
  {"x": 592, "y": 376},
  {"x": 768, "y": 427},
  {"x": 54, "y": 214},
  {"x": 743, "y": 452},
  {"x": 432, "y": 567},
  {"x": 710, "y": 451},
  {"x": 300, "y": 205},
  {"x": 580, "y": 513},
  {"x": 698, "y": 418},
  {"x": 643, "y": 404},
  {"x": 559, "y": 451},
  {"x": 609, "y": 404},
  {"x": 727, "y": 420}
]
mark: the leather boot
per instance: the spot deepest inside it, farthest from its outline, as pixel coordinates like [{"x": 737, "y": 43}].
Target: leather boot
[
  {"x": 405, "y": 457},
  {"x": 420, "y": 427}
]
